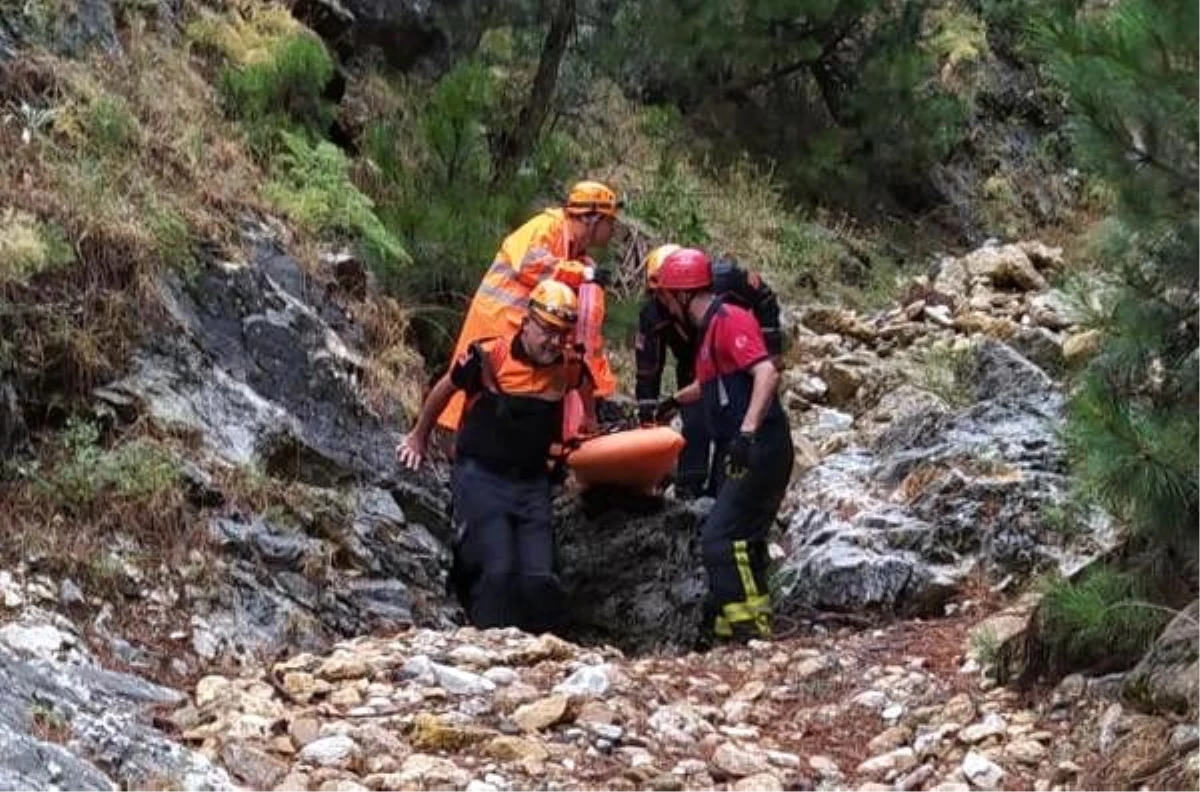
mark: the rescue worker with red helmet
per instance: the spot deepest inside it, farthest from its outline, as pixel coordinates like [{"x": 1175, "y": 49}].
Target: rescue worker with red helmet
[
  {"x": 699, "y": 471},
  {"x": 514, "y": 386},
  {"x": 736, "y": 384},
  {"x": 551, "y": 245}
]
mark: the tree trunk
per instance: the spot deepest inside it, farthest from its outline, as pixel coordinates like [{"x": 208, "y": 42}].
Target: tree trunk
[{"x": 514, "y": 145}]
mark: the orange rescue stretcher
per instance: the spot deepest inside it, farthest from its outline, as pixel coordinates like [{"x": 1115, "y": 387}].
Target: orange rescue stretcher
[{"x": 637, "y": 459}]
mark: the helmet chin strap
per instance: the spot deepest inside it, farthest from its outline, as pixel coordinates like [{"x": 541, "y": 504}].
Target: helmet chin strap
[{"x": 686, "y": 304}]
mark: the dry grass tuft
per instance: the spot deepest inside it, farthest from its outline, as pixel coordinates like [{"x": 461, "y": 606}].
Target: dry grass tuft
[
  {"x": 80, "y": 500},
  {"x": 242, "y": 35},
  {"x": 49, "y": 725},
  {"x": 395, "y": 371},
  {"x": 1142, "y": 754}
]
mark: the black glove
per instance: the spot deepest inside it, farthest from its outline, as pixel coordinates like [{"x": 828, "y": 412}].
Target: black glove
[
  {"x": 645, "y": 411},
  {"x": 665, "y": 410},
  {"x": 558, "y": 472},
  {"x": 737, "y": 459}
]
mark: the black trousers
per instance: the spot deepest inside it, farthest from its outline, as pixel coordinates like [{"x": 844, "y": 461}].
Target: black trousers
[
  {"x": 504, "y": 556},
  {"x": 733, "y": 539},
  {"x": 700, "y": 469}
]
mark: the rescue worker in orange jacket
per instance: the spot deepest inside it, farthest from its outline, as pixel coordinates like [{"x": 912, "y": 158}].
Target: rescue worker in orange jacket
[
  {"x": 553, "y": 244},
  {"x": 500, "y": 485},
  {"x": 736, "y": 383}
]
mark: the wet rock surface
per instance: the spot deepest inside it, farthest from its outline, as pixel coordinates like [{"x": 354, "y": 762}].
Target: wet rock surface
[
  {"x": 68, "y": 723},
  {"x": 89, "y": 27},
  {"x": 263, "y": 367},
  {"x": 633, "y": 579},
  {"x": 408, "y": 33}
]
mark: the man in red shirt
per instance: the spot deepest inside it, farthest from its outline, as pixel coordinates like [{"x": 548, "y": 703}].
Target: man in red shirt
[{"x": 736, "y": 383}]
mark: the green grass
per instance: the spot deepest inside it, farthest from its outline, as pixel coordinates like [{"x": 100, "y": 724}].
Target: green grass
[
  {"x": 110, "y": 125},
  {"x": 284, "y": 91},
  {"x": 944, "y": 374},
  {"x": 172, "y": 236}
]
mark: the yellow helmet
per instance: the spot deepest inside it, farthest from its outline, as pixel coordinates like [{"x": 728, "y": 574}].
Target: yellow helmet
[
  {"x": 553, "y": 303},
  {"x": 654, "y": 262},
  {"x": 588, "y": 197}
]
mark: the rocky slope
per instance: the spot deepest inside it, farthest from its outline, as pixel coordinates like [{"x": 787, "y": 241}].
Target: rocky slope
[
  {"x": 928, "y": 461},
  {"x": 932, "y": 447}
]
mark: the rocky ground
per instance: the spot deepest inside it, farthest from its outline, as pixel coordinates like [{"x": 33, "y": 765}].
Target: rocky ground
[{"x": 897, "y": 708}]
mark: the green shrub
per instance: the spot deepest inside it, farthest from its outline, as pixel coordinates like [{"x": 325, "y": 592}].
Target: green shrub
[
  {"x": 109, "y": 124},
  {"x": 621, "y": 319},
  {"x": 282, "y": 92},
  {"x": 808, "y": 254},
  {"x": 1099, "y": 622},
  {"x": 312, "y": 186},
  {"x": 945, "y": 374},
  {"x": 671, "y": 204},
  {"x": 172, "y": 236},
  {"x": 439, "y": 195},
  {"x": 137, "y": 471}
]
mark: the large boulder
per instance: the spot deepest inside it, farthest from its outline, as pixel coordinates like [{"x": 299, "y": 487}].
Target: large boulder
[
  {"x": 1004, "y": 267},
  {"x": 1166, "y": 678},
  {"x": 406, "y": 33},
  {"x": 68, "y": 723},
  {"x": 72, "y": 29},
  {"x": 632, "y": 570},
  {"x": 261, "y": 365},
  {"x": 897, "y": 521},
  {"x": 370, "y": 568}
]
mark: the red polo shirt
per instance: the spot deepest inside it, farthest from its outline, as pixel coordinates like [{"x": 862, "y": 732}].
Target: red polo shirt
[{"x": 734, "y": 342}]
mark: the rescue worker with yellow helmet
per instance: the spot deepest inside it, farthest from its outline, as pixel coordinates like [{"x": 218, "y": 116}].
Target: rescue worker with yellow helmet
[
  {"x": 551, "y": 245},
  {"x": 736, "y": 386},
  {"x": 699, "y": 470},
  {"x": 514, "y": 386}
]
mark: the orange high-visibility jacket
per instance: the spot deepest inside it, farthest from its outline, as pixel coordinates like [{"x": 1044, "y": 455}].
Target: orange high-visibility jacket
[{"x": 527, "y": 256}]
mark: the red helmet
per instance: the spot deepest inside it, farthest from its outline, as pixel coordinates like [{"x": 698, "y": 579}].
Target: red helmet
[{"x": 686, "y": 268}]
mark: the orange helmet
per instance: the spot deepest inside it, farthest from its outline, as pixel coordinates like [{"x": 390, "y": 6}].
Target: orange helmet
[
  {"x": 654, "y": 262},
  {"x": 588, "y": 197},
  {"x": 685, "y": 269},
  {"x": 553, "y": 303}
]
